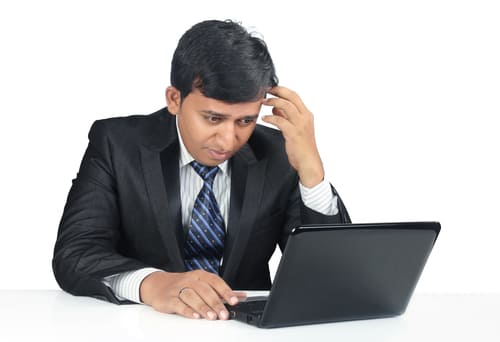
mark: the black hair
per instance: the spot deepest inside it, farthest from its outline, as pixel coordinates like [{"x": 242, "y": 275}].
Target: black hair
[{"x": 224, "y": 61}]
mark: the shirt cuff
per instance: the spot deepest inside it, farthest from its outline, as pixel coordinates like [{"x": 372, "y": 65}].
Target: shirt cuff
[
  {"x": 127, "y": 285},
  {"x": 320, "y": 198}
]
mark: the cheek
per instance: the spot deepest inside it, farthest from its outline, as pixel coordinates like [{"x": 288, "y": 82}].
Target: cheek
[
  {"x": 200, "y": 137},
  {"x": 194, "y": 133}
]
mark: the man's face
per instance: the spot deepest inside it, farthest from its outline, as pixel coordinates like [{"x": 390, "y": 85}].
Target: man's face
[{"x": 212, "y": 130}]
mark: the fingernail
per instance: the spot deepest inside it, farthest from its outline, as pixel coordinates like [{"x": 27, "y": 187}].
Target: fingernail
[
  {"x": 233, "y": 300},
  {"x": 224, "y": 314},
  {"x": 196, "y": 315},
  {"x": 211, "y": 315}
]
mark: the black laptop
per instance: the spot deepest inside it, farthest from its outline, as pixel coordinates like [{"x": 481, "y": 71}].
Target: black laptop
[{"x": 343, "y": 272}]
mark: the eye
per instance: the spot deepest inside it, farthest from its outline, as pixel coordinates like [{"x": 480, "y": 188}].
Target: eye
[
  {"x": 213, "y": 119},
  {"x": 246, "y": 121}
]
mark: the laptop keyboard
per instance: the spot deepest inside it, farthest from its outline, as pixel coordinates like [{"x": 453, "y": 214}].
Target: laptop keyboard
[{"x": 250, "y": 307}]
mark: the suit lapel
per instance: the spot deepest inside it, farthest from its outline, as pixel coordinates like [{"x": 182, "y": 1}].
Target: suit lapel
[
  {"x": 159, "y": 158},
  {"x": 247, "y": 181}
]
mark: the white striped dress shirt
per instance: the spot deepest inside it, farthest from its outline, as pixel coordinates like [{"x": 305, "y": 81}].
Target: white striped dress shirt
[{"x": 320, "y": 198}]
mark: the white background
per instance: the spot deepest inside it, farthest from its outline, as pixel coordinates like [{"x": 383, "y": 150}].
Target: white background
[{"x": 404, "y": 95}]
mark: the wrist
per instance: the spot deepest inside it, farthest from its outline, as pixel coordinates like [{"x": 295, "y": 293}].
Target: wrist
[
  {"x": 311, "y": 174},
  {"x": 152, "y": 284}
]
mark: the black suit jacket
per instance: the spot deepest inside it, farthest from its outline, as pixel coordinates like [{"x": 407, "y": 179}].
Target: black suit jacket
[{"x": 123, "y": 211}]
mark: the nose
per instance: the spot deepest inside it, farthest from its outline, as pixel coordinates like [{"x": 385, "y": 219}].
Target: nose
[{"x": 226, "y": 137}]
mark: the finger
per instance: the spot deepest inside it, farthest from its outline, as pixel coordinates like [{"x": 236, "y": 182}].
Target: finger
[
  {"x": 192, "y": 298},
  {"x": 283, "y": 124},
  {"x": 185, "y": 310},
  {"x": 212, "y": 298},
  {"x": 174, "y": 305},
  {"x": 282, "y": 108},
  {"x": 220, "y": 287},
  {"x": 279, "y": 112},
  {"x": 289, "y": 95},
  {"x": 240, "y": 294}
]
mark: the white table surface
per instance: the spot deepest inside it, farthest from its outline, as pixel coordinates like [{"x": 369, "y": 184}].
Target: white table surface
[{"x": 52, "y": 315}]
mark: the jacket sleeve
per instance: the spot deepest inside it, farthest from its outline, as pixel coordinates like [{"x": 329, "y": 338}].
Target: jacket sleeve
[
  {"x": 309, "y": 216},
  {"x": 298, "y": 213},
  {"x": 85, "y": 249}
]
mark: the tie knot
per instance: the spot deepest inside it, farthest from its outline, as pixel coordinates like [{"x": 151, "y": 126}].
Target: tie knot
[{"x": 206, "y": 172}]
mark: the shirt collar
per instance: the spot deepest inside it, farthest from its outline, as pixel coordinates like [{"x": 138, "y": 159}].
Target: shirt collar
[{"x": 186, "y": 157}]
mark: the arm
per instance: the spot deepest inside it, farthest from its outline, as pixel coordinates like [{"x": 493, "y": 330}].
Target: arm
[
  {"x": 312, "y": 215},
  {"x": 298, "y": 213},
  {"x": 86, "y": 257},
  {"x": 85, "y": 250},
  {"x": 296, "y": 123}
]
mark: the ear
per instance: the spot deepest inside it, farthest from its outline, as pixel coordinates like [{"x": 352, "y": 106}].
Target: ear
[{"x": 173, "y": 96}]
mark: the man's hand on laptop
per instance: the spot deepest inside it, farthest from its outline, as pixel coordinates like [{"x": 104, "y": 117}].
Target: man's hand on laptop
[{"x": 194, "y": 294}]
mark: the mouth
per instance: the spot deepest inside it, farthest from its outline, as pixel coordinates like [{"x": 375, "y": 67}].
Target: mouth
[{"x": 219, "y": 155}]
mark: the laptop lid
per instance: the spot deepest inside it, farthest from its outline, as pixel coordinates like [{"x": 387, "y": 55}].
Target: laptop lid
[{"x": 348, "y": 272}]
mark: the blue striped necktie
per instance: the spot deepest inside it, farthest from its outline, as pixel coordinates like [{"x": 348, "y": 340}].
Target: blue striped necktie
[{"x": 205, "y": 238}]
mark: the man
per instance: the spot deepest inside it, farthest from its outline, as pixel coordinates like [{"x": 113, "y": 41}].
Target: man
[{"x": 178, "y": 208}]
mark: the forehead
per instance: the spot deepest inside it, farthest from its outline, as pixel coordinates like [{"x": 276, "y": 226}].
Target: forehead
[{"x": 202, "y": 104}]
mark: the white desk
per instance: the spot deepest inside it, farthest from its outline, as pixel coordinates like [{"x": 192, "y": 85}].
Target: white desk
[{"x": 57, "y": 316}]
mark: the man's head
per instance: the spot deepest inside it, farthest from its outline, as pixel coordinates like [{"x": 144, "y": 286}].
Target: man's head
[
  {"x": 220, "y": 74},
  {"x": 223, "y": 61}
]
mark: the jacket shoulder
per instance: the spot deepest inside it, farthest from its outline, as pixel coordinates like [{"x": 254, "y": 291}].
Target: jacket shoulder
[
  {"x": 130, "y": 129},
  {"x": 267, "y": 142}
]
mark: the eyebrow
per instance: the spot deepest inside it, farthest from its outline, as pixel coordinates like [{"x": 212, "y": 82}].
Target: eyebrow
[{"x": 225, "y": 116}]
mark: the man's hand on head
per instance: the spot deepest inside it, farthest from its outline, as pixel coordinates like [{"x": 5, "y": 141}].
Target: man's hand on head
[
  {"x": 296, "y": 123},
  {"x": 194, "y": 294}
]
